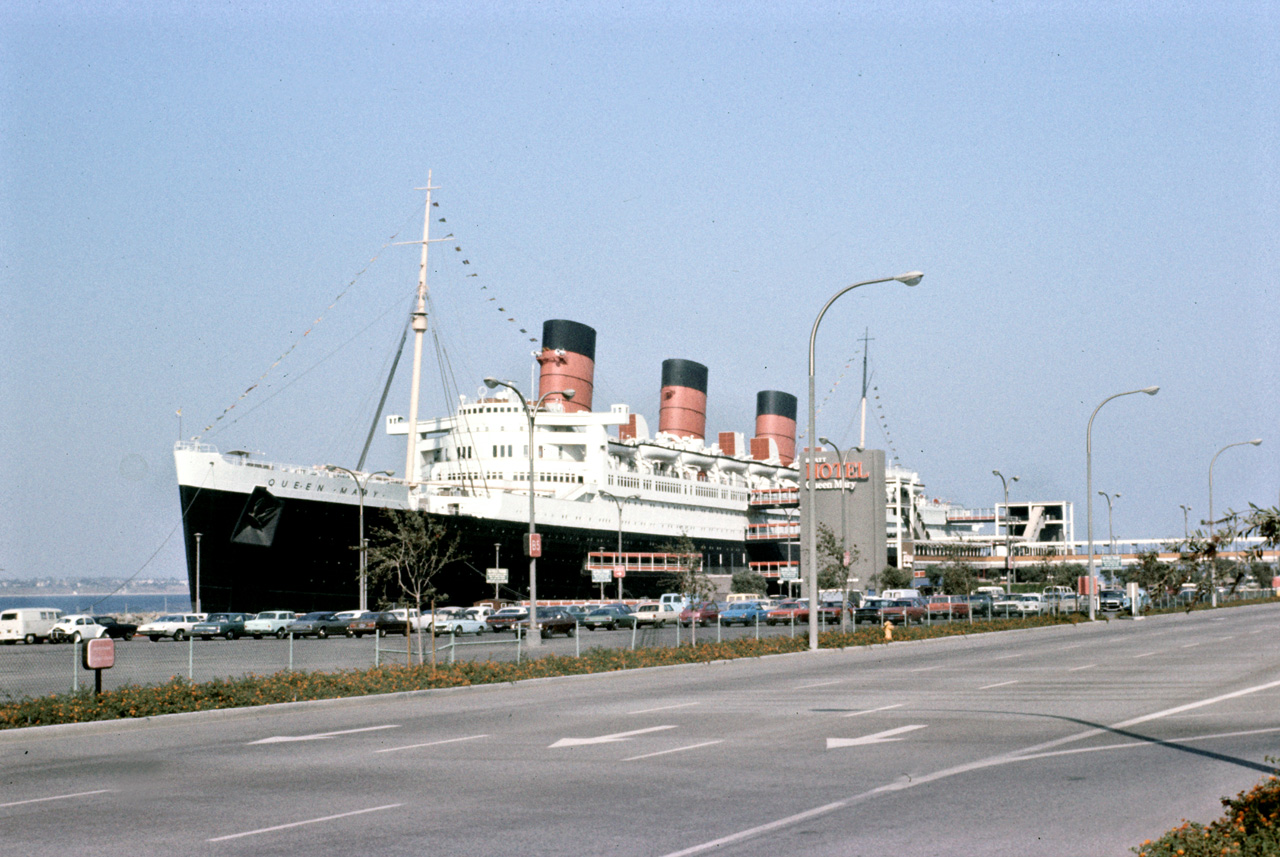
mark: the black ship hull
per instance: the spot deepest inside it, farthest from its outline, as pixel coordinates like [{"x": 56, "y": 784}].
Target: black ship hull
[{"x": 309, "y": 562}]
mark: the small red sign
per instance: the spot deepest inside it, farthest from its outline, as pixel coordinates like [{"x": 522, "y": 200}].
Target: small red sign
[
  {"x": 99, "y": 654},
  {"x": 619, "y": 572},
  {"x": 533, "y": 545}
]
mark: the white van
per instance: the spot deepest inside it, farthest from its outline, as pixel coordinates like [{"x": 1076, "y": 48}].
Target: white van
[
  {"x": 675, "y": 600},
  {"x": 31, "y": 624},
  {"x": 892, "y": 594}
]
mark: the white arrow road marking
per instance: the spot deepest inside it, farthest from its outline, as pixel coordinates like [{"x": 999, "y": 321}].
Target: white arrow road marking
[
  {"x": 605, "y": 739},
  {"x": 873, "y": 710},
  {"x": 319, "y": 736},
  {"x": 878, "y": 738}
]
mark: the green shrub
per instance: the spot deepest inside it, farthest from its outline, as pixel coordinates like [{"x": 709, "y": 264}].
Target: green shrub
[{"x": 1250, "y": 827}]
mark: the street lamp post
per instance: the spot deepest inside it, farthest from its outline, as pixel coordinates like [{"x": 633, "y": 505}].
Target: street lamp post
[
  {"x": 1008, "y": 550},
  {"x": 1111, "y": 533},
  {"x": 911, "y": 278},
  {"x": 360, "y": 545},
  {"x": 530, "y": 412},
  {"x": 1213, "y": 572},
  {"x": 1088, "y": 464},
  {"x": 1186, "y": 528},
  {"x": 618, "y": 501}
]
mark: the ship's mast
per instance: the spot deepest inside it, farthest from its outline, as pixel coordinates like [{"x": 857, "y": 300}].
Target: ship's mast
[
  {"x": 419, "y": 323},
  {"x": 862, "y": 437}
]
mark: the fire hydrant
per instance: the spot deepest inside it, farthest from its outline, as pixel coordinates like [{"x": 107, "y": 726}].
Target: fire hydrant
[{"x": 888, "y": 631}]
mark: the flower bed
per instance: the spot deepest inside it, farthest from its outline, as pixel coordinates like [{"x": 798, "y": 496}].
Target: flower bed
[
  {"x": 1250, "y": 827},
  {"x": 179, "y": 695}
]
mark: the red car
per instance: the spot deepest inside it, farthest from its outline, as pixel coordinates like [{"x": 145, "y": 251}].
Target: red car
[
  {"x": 704, "y": 614},
  {"x": 789, "y": 611},
  {"x": 905, "y": 611},
  {"x": 948, "y": 607}
]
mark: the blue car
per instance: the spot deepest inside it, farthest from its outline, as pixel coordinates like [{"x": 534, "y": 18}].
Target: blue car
[{"x": 746, "y": 612}]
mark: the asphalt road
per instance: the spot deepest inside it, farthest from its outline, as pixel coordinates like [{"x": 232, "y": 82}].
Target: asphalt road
[{"x": 1064, "y": 741}]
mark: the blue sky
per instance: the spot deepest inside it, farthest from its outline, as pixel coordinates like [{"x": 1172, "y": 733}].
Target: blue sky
[{"x": 1090, "y": 189}]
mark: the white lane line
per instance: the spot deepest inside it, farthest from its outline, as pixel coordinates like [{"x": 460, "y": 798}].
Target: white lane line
[
  {"x": 54, "y": 797},
  {"x": 884, "y": 737},
  {"x": 1072, "y": 646},
  {"x": 1085, "y": 667},
  {"x": 301, "y": 823},
  {"x": 1000, "y": 684},
  {"x": 665, "y": 708},
  {"x": 1190, "y": 645},
  {"x": 926, "y": 669},
  {"x": 1146, "y": 654},
  {"x": 1007, "y": 657},
  {"x": 676, "y": 750},
  {"x": 820, "y": 684},
  {"x": 990, "y": 761},
  {"x": 319, "y": 736},
  {"x": 1224, "y": 639},
  {"x": 1153, "y": 743},
  {"x": 606, "y": 739},
  {"x": 873, "y": 710},
  {"x": 430, "y": 744}
]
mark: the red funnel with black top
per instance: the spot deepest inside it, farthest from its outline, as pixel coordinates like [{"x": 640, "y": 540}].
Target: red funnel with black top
[
  {"x": 776, "y": 419},
  {"x": 568, "y": 362},
  {"x": 683, "y": 402}
]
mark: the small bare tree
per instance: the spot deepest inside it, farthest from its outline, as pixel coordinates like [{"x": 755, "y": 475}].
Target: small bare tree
[
  {"x": 690, "y": 578},
  {"x": 410, "y": 551}
]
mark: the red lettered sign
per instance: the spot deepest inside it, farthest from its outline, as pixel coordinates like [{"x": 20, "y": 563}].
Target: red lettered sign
[
  {"x": 619, "y": 572},
  {"x": 99, "y": 654},
  {"x": 533, "y": 544}
]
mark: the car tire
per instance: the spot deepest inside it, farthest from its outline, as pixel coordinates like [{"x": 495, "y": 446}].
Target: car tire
[
  {"x": 479, "y": 630},
  {"x": 155, "y": 638},
  {"x": 257, "y": 636},
  {"x": 206, "y": 637},
  {"x": 179, "y": 635},
  {"x": 281, "y": 634},
  {"x": 231, "y": 635},
  {"x": 75, "y": 638},
  {"x": 55, "y": 636},
  {"x": 322, "y": 633},
  {"x": 128, "y": 637},
  {"x": 568, "y": 632}
]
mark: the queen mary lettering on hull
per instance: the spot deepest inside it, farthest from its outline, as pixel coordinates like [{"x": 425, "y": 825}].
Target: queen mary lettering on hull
[{"x": 281, "y": 535}]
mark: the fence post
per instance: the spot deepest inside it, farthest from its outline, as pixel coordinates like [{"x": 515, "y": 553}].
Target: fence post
[
  {"x": 577, "y": 638},
  {"x": 290, "y": 651},
  {"x": 75, "y": 667},
  {"x": 377, "y": 650},
  {"x": 191, "y": 658}
]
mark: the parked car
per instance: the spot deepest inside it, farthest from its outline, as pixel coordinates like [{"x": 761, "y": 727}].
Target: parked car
[
  {"x": 745, "y": 612},
  {"x": 1114, "y": 599},
  {"x": 269, "y": 622},
  {"x": 116, "y": 629},
  {"x": 75, "y": 627},
  {"x": 176, "y": 625},
  {"x": 980, "y": 604},
  {"x": 905, "y": 611},
  {"x": 829, "y": 612},
  {"x": 1033, "y": 604},
  {"x": 655, "y": 614},
  {"x": 30, "y": 624},
  {"x": 365, "y": 623},
  {"x": 948, "y": 607},
  {"x": 577, "y": 611},
  {"x": 704, "y": 613},
  {"x": 554, "y": 620},
  {"x": 458, "y": 623},
  {"x": 318, "y": 624},
  {"x": 228, "y": 625},
  {"x": 870, "y": 611},
  {"x": 610, "y": 617},
  {"x": 787, "y": 612},
  {"x": 506, "y": 618}
]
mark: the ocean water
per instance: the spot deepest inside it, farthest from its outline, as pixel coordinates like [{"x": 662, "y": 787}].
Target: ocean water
[{"x": 110, "y": 604}]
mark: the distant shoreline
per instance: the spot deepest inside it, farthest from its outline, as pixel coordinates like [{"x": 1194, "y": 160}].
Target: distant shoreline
[{"x": 27, "y": 592}]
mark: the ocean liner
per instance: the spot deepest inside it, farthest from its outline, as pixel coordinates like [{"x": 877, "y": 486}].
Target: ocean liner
[{"x": 261, "y": 535}]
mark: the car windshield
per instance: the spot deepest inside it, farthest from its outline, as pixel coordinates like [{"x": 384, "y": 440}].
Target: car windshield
[
  {"x": 220, "y": 617},
  {"x": 311, "y": 617}
]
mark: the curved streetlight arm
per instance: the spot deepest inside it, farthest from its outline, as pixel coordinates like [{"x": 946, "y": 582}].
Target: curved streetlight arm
[
  {"x": 363, "y": 562},
  {"x": 1088, "y": 463},
  {"x": 910, "y": 278},
  {"x": 530, "y": 414},
  {"x": 1213, "y": 572}
]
